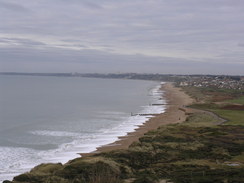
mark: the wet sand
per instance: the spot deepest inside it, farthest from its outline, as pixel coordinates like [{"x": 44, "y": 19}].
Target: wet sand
[{"x": 175, "y": 113}]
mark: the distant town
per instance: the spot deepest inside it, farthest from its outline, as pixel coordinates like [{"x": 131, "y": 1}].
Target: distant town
[
  {"x": 211, "y": 81},
  {"x": 220, "y": 82}
]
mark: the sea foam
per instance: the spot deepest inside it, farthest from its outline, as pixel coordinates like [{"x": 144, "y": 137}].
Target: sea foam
[{"x": 24, "y": 158}]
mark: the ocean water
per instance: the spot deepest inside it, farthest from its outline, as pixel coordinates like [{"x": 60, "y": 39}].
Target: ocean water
[{"x": 52, "y": 119}]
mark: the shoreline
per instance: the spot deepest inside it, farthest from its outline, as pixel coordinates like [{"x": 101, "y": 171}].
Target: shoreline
[
  {"x": 204, "y": 153},
  {"x": 175, "y": 112}
]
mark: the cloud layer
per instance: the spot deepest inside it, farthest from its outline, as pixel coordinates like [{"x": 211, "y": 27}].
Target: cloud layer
[{"x": 185, "y": 33}]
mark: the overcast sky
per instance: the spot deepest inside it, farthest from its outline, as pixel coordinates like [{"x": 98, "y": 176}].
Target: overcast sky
[{"x": 163, "y": 36}]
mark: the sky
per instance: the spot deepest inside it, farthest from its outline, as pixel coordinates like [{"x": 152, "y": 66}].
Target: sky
[{"x": 112, "y": 36}]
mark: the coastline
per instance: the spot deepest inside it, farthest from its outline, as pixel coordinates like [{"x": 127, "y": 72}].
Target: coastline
[
  {"x": 169, "y": 153},
  {"x": 174, "y": 113},
  {"x": 175, "y": 100}
]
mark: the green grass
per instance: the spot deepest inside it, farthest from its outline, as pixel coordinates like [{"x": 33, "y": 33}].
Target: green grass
[
  {"x": 200, "y": 119},
  {"x": 234, "y": 117},
  {"x": 239, "y": 100}
]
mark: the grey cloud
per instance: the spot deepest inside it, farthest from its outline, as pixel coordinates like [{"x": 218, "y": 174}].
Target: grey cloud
[
  {"x": 24, "y": 42},
  {"x": 185, "y": 30},
  {"x": 241, "y": 44},
  {"x": 13, "y": 7},
  {"x": 92, "y": 5},
  {"x": 89, "y": 4}
]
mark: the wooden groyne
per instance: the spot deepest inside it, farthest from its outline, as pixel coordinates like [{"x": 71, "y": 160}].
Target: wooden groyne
[
  {"x": 158, "y": 104},
  {"x": 143, "y": 114}
]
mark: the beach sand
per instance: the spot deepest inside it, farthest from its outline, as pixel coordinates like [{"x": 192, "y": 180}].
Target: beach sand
[{"x": 175, "y": 113}]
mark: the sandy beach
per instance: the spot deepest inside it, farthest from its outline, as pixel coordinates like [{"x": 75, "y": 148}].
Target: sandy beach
[{"x": 174, "y": 113}]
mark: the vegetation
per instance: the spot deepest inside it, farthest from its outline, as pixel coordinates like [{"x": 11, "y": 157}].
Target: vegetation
[
  {"x": 239, "y": 100},
  {"x": 179, "y": 153},
  {"x": 197, "y": 151},
  {"x": 234, "y": 117},
  {"x": 228, "y": 104},
  {"x": 207, "y": 95},
  {"x": 200, "y": 119}
]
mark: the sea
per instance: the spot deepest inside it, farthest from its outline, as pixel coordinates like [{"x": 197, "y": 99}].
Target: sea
[{"x": 51, "y": 119}]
